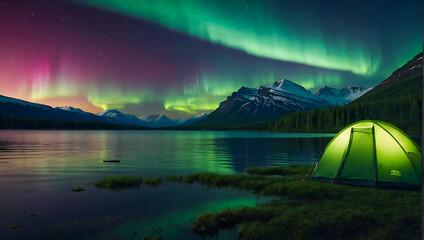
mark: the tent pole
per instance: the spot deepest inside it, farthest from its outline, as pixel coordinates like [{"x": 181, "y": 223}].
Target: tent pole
[
  {"x": 375, "y": 155},
  {"x": 346, "y": 153}
]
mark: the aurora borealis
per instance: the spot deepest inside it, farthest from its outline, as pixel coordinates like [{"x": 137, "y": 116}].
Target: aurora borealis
[{"x": 182, "y": 58}]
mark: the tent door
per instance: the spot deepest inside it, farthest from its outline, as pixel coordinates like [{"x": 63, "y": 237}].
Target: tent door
[{"x": 359, "y": 160}]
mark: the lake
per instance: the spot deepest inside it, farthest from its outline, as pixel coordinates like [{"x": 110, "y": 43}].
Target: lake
[{"x": 38, "y": 169}]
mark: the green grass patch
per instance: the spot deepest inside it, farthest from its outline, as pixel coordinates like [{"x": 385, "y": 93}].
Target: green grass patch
[
  {"x": 174, "y": 179},
  {"x": 311, "y": 210},
  {"x": 120, "y": 182},
  {"x": 303, "y": 209},
  {"x": 292, "y": 169},
  {"x": 153, "y": 181},
  {"x": 77, "y": 189}
]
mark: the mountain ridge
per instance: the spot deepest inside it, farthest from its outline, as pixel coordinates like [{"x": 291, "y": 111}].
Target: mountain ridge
[
  {"x": 269, "y": 102},
  {"x": 396, "y": 100},
  {"x": 27, "y": 110}
]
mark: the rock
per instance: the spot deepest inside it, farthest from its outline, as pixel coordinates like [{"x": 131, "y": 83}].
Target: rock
[{"x": 112, "y": 161}]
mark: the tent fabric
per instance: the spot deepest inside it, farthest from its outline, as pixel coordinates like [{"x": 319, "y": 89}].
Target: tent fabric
[{"x": 371, "y": 153}]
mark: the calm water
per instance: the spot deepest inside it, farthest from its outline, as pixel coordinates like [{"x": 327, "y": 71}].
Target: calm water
[{"x": 37, "y": 169}]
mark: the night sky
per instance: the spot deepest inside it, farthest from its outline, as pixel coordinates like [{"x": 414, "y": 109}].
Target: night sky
[{"x": 183, "y": 58}]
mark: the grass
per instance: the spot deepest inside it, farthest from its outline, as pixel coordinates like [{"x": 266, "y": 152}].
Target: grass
[
  {"x": 291, "y": 169},
  {"x": 303, "y": 209},
  {"x": 77, "y": 189},
  {"x": 117, "y": 183},
  {"x": 309, "y": 209},
  {"x": 120, "y": 182},
  {"x": 151, "y": 238},
  {"x": 153, "y": 181},
  {"x": 174, "y": 179}
]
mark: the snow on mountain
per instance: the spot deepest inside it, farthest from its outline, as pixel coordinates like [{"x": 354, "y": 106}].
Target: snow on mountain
[
  {"x": 341, "y": 96},
  {"x": 269, "y": 102},
  {"x": 157, "y": 121},
  {"x": 17, "y": 107},
  {"x": 291, "y": 88},
  {"x": 191, "y": 120},
  {"x": 115, "y": 116},
  {"x": 286, "y": 92},
  {"x": 72, "y": 109},
  {"x": 153, "y": 121}
]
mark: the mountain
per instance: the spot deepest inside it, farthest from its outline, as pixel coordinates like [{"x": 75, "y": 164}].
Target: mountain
[
  {"x": 153, "y": 121},
  {"x": 341, "y": 96},
  {"x": 396, "y": 100},
  {"x": 191, "y": 120},
  {"x": 4, "y": 99},
  {"x": 30, "y": 114},
  {"x": 157, "y": 121},
  {"x": 19, "y": 108},
  {"x": 72, "y": 109},
  {"x": 16, "y": 107},
  {"x": 272, "y": 102},
  {"x": 115, "y": 116},
  {"x": 405, "y": 81}
]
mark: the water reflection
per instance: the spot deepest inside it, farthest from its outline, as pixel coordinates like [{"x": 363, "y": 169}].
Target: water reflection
[
  {"x": 242, "y": 153},
  {"x": 63, "y": 155},
  {"x": 37, "y": 169},
  {"x": 151, "y": 152}
]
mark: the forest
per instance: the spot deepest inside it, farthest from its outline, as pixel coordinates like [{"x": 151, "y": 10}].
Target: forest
[
  {"x": 405, "y": 114},
  {"x": 20, "y": 122}
]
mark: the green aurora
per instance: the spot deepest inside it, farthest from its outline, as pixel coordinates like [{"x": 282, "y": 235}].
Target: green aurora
[
  {"x": 256, "y": 29},
  {"x": 282, "y": 31},
  {"x": 184, "y": 57}
]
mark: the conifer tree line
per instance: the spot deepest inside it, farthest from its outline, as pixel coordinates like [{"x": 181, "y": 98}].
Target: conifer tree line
[
  {"x": 19, "y": 122},
  {"x": 405, "y": 113}
]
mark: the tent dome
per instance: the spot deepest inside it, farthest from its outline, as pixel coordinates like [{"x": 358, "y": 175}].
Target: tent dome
[{"x": 371, "y": 153}]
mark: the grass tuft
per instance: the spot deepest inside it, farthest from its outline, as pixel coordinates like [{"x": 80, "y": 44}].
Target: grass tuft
[
  {"x": 283, "y": 171},
  {"x": 153, "y": 181},
  {"x": 174, "y": 179},
  {"x": 120, "y": 182},
  {"x": 77, "y": 189}
]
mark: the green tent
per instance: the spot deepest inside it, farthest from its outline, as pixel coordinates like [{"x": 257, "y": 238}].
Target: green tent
[{"x": 371, "y": 153}]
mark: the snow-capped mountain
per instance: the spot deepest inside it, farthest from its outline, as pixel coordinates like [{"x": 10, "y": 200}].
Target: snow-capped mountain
[
  {"x": 191, "y": 120},
  {"x": 269, "y": 102},
  {"x": 157, "y": 121},
  {"x": 17, "y": 107},
  {"x": 153, "y": 121},
  {"x": 116, "y": 116},
  {"x": 264, "y": 103},
  {"x": 72, "y": 109},
  {"x": 341, "y": 96}
]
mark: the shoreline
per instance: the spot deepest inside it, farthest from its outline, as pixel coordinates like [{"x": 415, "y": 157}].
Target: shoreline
[{"x": 302, "y": 209}]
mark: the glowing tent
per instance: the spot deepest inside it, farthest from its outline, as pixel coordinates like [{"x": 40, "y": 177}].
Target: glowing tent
[{"x": 371, "y": 153}]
